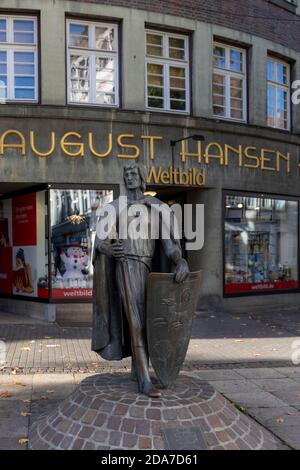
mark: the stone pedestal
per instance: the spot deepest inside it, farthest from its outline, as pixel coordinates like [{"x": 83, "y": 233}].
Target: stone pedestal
[{"x": 105, "y": 412}]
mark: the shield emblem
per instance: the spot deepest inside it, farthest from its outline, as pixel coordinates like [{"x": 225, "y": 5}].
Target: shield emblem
[{"x": 170, "y": 310}]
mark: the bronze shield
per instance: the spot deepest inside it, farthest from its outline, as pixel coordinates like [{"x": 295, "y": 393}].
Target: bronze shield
[{"x": 170, "y": 310}]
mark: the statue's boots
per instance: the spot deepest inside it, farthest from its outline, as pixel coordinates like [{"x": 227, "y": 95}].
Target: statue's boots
[
  {"x": 140, "y": 369},
  {"x": 147, "y": 388}
]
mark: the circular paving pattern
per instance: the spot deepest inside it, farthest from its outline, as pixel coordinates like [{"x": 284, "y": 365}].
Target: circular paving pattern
[{"x": 105, "y": 412}]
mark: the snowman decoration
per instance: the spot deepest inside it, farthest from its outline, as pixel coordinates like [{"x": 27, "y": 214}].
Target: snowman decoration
[{"x": 75, "y": 261}]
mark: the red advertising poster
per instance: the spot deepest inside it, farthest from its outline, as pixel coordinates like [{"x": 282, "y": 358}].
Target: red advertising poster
[
  {"x": 6, "y": 275},
  {"x": 24, "y": 220},
  {"x": 260, "y": 286}
]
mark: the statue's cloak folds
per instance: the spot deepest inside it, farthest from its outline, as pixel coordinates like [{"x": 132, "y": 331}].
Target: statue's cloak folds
[{"x": 110, "y": 334}]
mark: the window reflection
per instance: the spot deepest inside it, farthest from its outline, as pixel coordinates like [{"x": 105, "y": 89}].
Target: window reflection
[
  {"x": 261, "y": 239},
  {"x": 74, "y": 215}
]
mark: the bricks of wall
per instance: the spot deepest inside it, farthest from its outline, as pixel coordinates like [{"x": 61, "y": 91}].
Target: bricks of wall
[{"x": 250, "y": 16}]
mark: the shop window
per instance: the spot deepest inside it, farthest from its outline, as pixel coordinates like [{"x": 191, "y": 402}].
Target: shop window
[
  {"x": 18, "y": 59},
  {"x": 261, "y": 244},
  {"x": 24, "y": 246},
  {"x": 229, "y": 82},
  {"x": 278, "y": 93},
  {"x": 92, "y": 63},
  {"x": 73, "y": 215},
  {"x": 167, "y": 72}
]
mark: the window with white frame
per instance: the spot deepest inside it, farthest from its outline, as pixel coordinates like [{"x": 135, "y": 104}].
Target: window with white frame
[
  {"x": 278, "y": 93},
  {"x": 229, "y": 82},
  {"x": 167, "y": 71},
  {"x": 92, "y": 63},
  {"x": 18, "y": 58}
]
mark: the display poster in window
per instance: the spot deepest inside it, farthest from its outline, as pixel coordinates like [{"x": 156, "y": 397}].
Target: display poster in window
[
  {"x": 24, "y": 249},
  {"x": 24, "y": 270},
  {"x": 24, "y": 220},
  {"x": 18, "y": 250},
  {"x": 73, "y": 230}
]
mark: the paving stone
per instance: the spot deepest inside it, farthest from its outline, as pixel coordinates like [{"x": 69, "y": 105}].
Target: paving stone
[
  {"x": 260, "y": 373},
  {"x": 137, "y": 412},
  {"x": 11, "y": 444},
  {"x": 11, "y": 408},
  {"x": 100, "y": 435},
  {"x": 289, "y": 434},
  {"x": 289, "y": 371},
  {"x": 270, "y": 416},
  {"x": 89, "y": 416},
  {"x": 276, "y": 384},
  {"x": 154, "y": 413},
  {"x": 290, "y": 397},
  {"x": 255, "y": 398},
  {"x": 232, "y": 386},
  {"x": 115, "y": 438},
  {"x": 221, "y": 374},
  {"x": 129, "y": 440},
  {"x": 144, "y": 443},
  {"x": 14, "y": 427}
]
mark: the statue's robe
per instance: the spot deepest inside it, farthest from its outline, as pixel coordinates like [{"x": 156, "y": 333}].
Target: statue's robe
[{"x": 110, "y": 335}]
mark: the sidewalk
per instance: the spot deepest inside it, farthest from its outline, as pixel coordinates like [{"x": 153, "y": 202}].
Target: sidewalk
[{"x": 245, "y": 357}]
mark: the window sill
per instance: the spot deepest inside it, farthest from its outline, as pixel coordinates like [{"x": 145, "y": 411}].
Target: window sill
[
  {"x": 225, "y": 119},
  {"x": 93, "y": 105},
  {"x": 13, "y": 102},
  {"x": 168, "y": 111},
  {"x": 286, "y": 131}
]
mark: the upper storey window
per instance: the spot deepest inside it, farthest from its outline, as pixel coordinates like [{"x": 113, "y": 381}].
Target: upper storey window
[
  {"x": 167, "y": 72},
  {"x": 229, "y": 82},
  {"x": 92, "y": 63},
  {"x": 18, "y": 58},
  {"x": 278, "y": 91}
]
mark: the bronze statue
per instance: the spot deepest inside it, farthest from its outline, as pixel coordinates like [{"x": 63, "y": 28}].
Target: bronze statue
[{"x": 121, "y": 268}]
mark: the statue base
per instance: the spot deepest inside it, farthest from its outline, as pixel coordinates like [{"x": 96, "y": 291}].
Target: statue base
[{"x": 106, "y": 412}]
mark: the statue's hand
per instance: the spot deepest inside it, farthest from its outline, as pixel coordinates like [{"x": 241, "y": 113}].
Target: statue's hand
[
  {"x": 117, "y": 250},
  {"x": 181, "y": 270}
]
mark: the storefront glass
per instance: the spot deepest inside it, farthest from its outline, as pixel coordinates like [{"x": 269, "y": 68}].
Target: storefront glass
[
  {"x": 261, "y": 244},
  {"x": 24, "y": 245},
  {"x": 73, "y": 218}
]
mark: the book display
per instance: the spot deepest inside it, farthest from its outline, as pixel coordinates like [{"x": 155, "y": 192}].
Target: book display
[{"x": 260, "y": 247}]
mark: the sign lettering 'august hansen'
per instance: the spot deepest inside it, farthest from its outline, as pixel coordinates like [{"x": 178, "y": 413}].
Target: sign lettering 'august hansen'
[{"x": 72, "y": 144}]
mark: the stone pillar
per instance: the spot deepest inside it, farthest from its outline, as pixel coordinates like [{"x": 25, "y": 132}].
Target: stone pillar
[
  {"x": 257, "y": 83},
  {"x": 210, "y": 258},
  {"x": 133, "y": 56},
  {"x": 201, "y": 70},
  {"x": 52, "y": 47}
]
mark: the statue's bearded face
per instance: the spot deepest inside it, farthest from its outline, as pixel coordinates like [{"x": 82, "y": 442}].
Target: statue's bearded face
[{"x": 132, "y": 178}]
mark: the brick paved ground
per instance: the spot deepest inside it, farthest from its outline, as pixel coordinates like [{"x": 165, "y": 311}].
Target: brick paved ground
[
  {"x": 218, "y": 340},
  {"x": 245, "y": 357},
  {"x": 50, "y": 348},
  {"x": 105, "y": 412}
]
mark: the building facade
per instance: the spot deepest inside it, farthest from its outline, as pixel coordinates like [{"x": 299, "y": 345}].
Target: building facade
[{"x": 87, "y": 86}]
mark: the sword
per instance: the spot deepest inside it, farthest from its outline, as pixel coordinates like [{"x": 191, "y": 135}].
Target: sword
[{"x": 134, "y": 319}]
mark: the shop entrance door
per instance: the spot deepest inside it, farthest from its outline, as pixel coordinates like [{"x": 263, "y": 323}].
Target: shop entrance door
[{"x": 172, "y": 196}]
